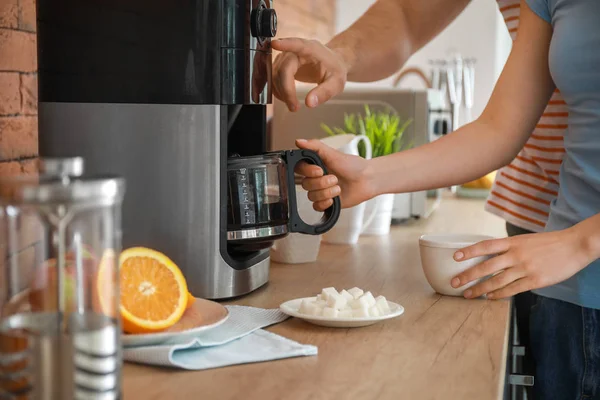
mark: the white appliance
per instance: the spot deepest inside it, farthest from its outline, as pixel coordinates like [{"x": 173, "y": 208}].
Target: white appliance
[{"x": 430, "y": 121}]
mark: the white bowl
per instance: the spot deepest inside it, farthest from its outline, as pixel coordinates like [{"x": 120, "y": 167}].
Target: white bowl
[{"x": 437, "y": 258}]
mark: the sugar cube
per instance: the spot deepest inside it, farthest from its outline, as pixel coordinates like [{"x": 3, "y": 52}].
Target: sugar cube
[
  {"x": 374, "y": 312},
  {"x": 383, "y": 305},
  {"x": 330, "y": 312},
  {"x": 347, "y": 295},
  {"x": 368, "y": 299},
  {"x": 316, "y": 311},
  {"x": 325, "y": 293},
  {"x": 356, "y": 292},
  {"x": 337, "y": 301},
  {"x": 305, "y": 306},
  {"x": 309, "y": 307},
  {"x": 347, "y": 304},
  {"x": 361, "y": 312},
  {"x": 354, "y": 304}
]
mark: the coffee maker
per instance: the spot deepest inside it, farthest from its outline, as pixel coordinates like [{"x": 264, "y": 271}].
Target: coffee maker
[{"x": 162, "y": 93}]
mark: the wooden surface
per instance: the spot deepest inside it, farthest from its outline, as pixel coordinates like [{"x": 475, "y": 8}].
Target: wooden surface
[{"x": 441, "y": 348}]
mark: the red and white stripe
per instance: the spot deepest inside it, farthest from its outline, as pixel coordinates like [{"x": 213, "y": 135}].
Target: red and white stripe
[{"x": 524, "y": 189}]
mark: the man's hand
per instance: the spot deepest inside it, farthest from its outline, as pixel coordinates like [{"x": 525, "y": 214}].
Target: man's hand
[
  {"x": 349, "y": 177},
  {"x": 311, "y": 62},
  {"x": 523, "y": 263}
]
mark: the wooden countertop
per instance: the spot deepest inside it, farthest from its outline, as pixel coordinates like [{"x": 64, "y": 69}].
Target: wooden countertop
[{"x": 441, "y": 348}]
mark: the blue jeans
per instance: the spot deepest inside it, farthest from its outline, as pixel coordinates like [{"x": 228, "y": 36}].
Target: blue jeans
[{"x": 565, "y": 342}]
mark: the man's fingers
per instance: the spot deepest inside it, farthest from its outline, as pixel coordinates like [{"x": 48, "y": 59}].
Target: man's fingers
[
  {"x": 329, "y": 88},
  {"x": 301, "y": 47},
  {"x": 284, "y": 83}
]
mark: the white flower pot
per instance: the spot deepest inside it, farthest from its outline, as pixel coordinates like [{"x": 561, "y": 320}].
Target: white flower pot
[
  {"x": 352, "y": 220},
  {"x": 382, "y": 220},
  {"x": 299, "y": 248}
]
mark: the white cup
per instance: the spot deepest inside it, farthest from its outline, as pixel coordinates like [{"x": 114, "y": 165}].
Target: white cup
[
  {"x": 437, "y": 258},
  {"x": 348, "y": 144},
  {"x": 351, "y": 222},
  {"x": 299, "y": 248}
]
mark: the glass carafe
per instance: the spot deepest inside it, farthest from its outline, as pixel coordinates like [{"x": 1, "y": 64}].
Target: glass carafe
[
  {"x": 261, "y": 199},
  {"x": 59, "y": 291}
]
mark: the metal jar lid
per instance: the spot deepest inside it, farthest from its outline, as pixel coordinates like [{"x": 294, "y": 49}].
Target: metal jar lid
[
  {"x": 52, "y": 190},
  {"x": 67, "y": 166}
]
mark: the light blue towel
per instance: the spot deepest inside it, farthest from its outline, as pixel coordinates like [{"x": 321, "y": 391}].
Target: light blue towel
[{"x": 239, "y": 340}]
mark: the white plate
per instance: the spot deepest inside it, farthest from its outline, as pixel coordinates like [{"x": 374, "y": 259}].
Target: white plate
[
  {"x": 291, "y": 308},
  {"x": 202, "y": 316}
]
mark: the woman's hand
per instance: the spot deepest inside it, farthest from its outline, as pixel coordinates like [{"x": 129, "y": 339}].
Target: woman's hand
[
  {"x": 348, "y": 177},
  {"x": 523, "y": 263}
]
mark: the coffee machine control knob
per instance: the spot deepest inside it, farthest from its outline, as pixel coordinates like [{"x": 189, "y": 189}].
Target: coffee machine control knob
[
  {"x": 264, "y": 22},
  {"x": 268, "y": 23}
]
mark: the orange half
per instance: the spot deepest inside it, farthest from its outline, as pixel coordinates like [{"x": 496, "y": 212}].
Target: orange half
[
  {"x": 105, "y": 297},
  {"x": 191, "y": 300},
  {"x": 154, "y": 293}
]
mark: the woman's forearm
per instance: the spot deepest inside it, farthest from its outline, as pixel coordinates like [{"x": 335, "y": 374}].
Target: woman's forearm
[
  {"x": 464, "y": 155},
  {"x": 495, "y": 138},
  {"x": 588, "y": 232}
]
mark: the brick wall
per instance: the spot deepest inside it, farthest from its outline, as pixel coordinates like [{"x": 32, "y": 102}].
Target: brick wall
[
  {"x": 309, "y": 19},
  {"x": 18, "y": 87},
  {"x": 313, "y": 19}
]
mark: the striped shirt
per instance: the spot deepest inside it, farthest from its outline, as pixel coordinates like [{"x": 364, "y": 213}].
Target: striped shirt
[{"x": 524, "y": 189}]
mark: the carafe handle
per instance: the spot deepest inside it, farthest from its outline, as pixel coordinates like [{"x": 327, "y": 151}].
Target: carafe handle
[{"x": 330, "y": 216}]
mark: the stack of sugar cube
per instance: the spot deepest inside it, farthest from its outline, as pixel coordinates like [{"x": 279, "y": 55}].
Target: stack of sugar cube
[{"x": 351, "y": 303}]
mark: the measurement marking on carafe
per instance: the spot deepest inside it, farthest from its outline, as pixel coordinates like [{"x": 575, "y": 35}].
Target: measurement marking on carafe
[{"x": 246, "y": 197}]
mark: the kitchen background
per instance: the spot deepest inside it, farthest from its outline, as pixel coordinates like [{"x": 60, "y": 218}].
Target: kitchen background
[{"x": 315, "y": 19}]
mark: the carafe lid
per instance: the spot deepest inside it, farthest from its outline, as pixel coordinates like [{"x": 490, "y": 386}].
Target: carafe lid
[
  {"x": 236, "y": 161},
  {"x": 46, "y": 189}
]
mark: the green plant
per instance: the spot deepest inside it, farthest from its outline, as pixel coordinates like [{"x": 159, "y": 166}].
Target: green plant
[{"x": 383, "y": 128}]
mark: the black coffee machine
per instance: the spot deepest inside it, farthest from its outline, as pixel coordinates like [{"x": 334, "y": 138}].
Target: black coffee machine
[{"x": 162, "y": 92}]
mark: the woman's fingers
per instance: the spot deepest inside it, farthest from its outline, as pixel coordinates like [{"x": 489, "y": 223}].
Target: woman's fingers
[
  {"x": 496, "y": 282},
  {"x": 483, "y": 269},
  {"x": 324, "y": 194},
  {"x": 309, "y": 170},
  {"x": 485, "y": 248},
  {"x": 518, "y": 286},
  {"x": 319, "y": 183},
  {"x": 322, "y": 205}
]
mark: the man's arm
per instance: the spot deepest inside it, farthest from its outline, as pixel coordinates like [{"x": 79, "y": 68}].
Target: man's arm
[
  {"x": 374, "y": 47},
  {"x": 382, "y": 40}
]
